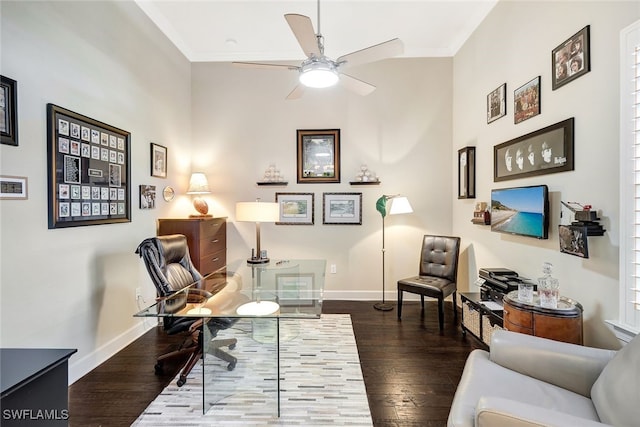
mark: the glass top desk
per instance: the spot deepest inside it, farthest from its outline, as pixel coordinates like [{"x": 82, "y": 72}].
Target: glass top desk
[{"x": 257, "y": 296}]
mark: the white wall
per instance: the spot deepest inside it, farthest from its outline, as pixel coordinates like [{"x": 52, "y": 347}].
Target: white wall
[
  {"x": 513, "y": 45},
  {"x": 402, "y": 131},
  {"x": 74, "y": 287}
]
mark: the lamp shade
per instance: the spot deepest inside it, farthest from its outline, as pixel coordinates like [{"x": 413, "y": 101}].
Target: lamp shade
[
  {"x": 198, "y": 184},
  {"x": 400, "y": 205},
  {"x": 257, "y": 211}
]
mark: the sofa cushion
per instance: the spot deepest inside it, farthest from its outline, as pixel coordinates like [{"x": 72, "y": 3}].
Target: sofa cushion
[
  {"x": 616, "y": 392},
  {"x": 481, "y": 377}
]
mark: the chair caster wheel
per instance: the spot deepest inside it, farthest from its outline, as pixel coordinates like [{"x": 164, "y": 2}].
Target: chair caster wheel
[
  {"x": 158, "y": 368},
  {"x": 181, "y": 382},
  {"x": 231, "y": 366},
  {"x": 232, "y": 346}
]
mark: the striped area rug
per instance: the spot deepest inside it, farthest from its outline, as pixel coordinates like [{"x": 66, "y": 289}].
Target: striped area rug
[{"x": 321, "y": 380}]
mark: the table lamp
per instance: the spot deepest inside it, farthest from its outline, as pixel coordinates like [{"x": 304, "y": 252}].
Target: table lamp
[
  {"x": 198, "y": 185},
  {"x": 392, "y": 205},
  {"x": 257, "y": 212}
]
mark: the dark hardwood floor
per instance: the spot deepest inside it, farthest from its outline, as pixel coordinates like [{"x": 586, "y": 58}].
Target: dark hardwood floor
[{"x": 410, "y": 369}]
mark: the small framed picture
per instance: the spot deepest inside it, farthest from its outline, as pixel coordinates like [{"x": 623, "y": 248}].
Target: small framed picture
[
  {"x": 13, "y": 187},
  {"x": 8, "y": 111},
  {"x": 342, "y": 208},
  {"x": 573, "y": 240},
  {"x": 467, "y": 173},
  {"x": 526, "y": 101},
  {"x": 295, "y": 208},
  {"x": 147, "y": 197},
  {"x": 497, "y": 103},
  {"x": 318, "y": 156},
  {"x": 571, "y": 59},
  {"x": 158, "y": 161}
]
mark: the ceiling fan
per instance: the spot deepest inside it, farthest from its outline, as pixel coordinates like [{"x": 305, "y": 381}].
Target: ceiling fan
[{"x": 319, "y": 71}]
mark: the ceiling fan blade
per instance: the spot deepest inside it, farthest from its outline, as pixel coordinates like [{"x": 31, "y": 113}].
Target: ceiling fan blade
[
  {"x": 296, "y": 93},
  {"x": 302, "y": 28},
  {"x": 356, "y": 85},
  {"x": 388, "y": 49},
  {"x": 264, "y": 66}
]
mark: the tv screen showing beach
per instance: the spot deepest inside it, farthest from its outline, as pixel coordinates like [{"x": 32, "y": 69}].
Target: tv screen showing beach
[{"x": 521, "y": 210}]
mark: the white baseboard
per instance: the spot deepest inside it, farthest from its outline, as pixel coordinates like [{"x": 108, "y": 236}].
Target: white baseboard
[
  {"x": 81, "y": 367},
  {"x": 368, "y": 296}
]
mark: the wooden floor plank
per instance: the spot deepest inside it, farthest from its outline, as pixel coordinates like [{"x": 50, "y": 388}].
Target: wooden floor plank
[{"x": 410, "y": 368}]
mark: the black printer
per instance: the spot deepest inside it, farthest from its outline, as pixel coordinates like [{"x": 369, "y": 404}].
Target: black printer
[{"x": 496, "y": 282}]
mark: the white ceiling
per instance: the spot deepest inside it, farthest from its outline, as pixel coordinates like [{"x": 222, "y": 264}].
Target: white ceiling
[{"x": 244, "y": 30}]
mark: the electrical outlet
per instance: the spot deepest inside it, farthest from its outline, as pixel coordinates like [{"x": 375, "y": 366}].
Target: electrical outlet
[
  {"x": 138, "y": 293},
  {"x": 333, "y": 269}
]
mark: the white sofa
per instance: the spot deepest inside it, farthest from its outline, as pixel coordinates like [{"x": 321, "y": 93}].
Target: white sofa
[{"x": 531, "y": 381}]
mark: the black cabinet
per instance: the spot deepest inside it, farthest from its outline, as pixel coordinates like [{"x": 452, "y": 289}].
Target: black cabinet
[{"x": 479, "y": 318}]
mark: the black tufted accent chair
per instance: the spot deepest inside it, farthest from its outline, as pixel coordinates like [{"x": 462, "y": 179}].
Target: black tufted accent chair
[
  {"x": 169, "y": 265},
  {"x": 438, "y": 274}
]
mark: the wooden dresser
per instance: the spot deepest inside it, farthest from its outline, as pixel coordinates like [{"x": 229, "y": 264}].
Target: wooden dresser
[
  {"x": 206, "y": 237},
  {"x": 561, "y": 324}
]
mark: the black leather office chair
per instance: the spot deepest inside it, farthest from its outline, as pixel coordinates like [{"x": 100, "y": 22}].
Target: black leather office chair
[
  {"x": 169, "y": 265},
  {"x": 438, "y": 274}
]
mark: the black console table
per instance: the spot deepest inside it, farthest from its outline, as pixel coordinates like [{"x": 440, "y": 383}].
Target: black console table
[
  {"x": 34, "y": 386},
  {"x": 478, "y": 319}
]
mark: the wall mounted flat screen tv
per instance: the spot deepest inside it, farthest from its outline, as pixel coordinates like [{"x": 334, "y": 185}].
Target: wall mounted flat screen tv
[{"x": 521, "y": 210}]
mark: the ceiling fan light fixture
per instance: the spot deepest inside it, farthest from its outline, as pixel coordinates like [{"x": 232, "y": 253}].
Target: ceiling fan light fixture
[{"x": 318, "y": 75}]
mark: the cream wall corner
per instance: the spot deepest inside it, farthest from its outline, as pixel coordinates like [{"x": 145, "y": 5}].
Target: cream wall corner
[{"x": 513, "y": 45}]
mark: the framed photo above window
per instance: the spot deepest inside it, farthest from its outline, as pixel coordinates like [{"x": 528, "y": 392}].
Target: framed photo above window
[
  {"x": 318, "y": 156},
  {"x": 295, "y": 208},
  {"x": 88, "y": 170},
  {"x": 497, "y": 103},
  {"x": 342, "y": 208},
  {"x": 8, "y": 111},
  {"x": 467, "y": 173},
  {"x": 571, "y": 59},
  {"x": 526, "y": 101},
  {"x": 158, "y": 161},
  {"x": 548, "y": 150}
]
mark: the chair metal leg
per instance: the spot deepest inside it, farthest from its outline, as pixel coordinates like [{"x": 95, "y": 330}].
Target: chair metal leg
[
  {"x": 422, "y": 302},
  {"x": 399, "y": 304}
]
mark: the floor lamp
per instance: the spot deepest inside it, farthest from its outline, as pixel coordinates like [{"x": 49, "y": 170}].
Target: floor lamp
[{"x": 391, "y": 205}]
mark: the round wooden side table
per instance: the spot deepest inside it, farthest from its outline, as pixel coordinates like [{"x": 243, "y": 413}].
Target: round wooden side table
[{"x": 563, "y": 323}]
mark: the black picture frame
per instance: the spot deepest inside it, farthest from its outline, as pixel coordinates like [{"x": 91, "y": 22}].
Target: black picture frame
[
  {"x": 573, "y": 240},
  {"x": 296, "y": 208},
  {"x": 547, "y": 150},
  {"x": 88, "y": 170},
  {"x": 158, "y": 160},
  {"x": 318, "y": 156},
  {"x": 467, "y": 173},
  {"x": 342, "y": 208},
  {"x": 571, "y": 59},
  {"x": 497, "y": 103},
  {"x": 526, "y": 101},
  {"x": 8, "y": 111},
  {"x": 147, "y": 196}
]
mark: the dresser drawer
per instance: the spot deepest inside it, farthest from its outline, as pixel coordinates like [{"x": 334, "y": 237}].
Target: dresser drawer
[
  {"x": 214, "y": 243},
  {"x": 212, "y": 262},
  {"x": 213, "y": 227},
  {"x": 518, "y": 317}
]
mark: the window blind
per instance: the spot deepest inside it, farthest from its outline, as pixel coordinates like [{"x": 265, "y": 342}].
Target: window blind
[{"x": 630, "y": 177}]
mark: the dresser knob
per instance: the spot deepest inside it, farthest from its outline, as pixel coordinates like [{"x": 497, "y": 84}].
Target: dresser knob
[{"x": 215, "y": 240}]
